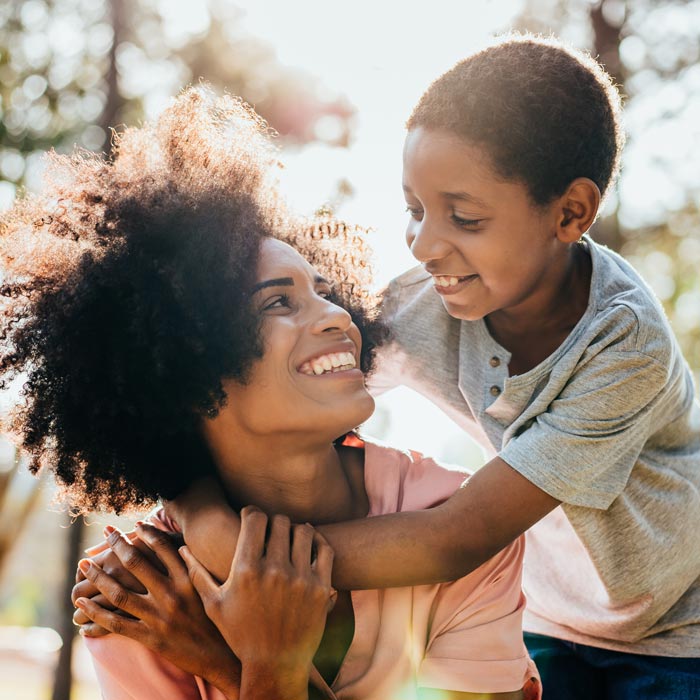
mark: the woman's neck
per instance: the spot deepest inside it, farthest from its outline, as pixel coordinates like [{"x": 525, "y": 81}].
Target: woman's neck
[{"x": 309, "y": 482}]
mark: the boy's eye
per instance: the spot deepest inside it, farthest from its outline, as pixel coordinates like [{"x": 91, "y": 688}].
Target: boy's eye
[
  {"x": 415, "y": 212},
  {"x": 466, "y": 223}
]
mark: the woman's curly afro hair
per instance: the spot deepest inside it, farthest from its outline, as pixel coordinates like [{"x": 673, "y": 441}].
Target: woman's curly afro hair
[
  {"x": 125, "y": 297},
  {"x": 544, "y": 113}
]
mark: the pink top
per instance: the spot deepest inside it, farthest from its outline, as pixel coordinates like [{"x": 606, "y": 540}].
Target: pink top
[{"x": 461, "y": 636}]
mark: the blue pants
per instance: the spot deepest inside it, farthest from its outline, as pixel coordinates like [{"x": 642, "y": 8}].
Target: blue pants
[{"x": 577, "y": 672}]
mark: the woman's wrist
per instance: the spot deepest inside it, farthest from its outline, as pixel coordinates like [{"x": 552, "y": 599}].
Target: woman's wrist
[{"x": 261, "y": 681}]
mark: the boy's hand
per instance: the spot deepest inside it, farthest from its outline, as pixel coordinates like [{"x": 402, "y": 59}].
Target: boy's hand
[
  {"x": 104, "y": 557},
  {"x": 167, "y": 616}
]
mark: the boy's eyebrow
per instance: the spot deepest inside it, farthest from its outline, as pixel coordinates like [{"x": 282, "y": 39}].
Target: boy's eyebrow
[
  {"x": 284, "y": 282},
  {"x": 462, "y": 196},
  {"x": 465, "y": 197}
]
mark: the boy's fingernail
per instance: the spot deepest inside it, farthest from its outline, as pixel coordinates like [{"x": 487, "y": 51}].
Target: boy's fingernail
[
  {"x": 108, "y": 530},
  {"x": 84, "y": 566},
  {"x": 139, "y": 523}
]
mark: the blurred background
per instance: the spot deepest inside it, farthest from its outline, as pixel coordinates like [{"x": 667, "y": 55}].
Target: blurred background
[{"x": 337, "y": 81}]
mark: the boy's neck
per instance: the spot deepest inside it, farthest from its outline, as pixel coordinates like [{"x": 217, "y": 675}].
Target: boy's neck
[{"x": 533, "y": 334}]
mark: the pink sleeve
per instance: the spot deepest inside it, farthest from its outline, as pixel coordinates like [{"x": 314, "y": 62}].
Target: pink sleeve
[
  {"x": 126, "y": 670},
  {"x": 475, "y": 641}
]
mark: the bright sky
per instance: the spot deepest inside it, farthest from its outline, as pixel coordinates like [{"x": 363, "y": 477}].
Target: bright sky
[{"x": 381, "y": 55}]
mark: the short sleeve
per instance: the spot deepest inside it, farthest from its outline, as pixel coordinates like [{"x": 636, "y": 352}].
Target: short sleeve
[
  {"x": 581, "y": 450},
  {"x": 475, "y": 639},
  {"x": 126, "y": 670}
]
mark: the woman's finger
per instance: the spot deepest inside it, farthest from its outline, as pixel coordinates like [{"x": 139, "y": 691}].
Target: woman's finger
[
  {"x": 277, "y": 549},
  {"x": 302, "y": 541},
  {"x": 202, "y": 580},
  {"x": 323, "y": 566},
  {"x": 83, "y": 589},
  {"x": 109, "y": 620},
  {"x": 113, "y": 591},
  {"x": 103, "y": 546},
  {"x": 163, "y": 546},
  {"x": 251, "y": 541},
  {"x": 79, "y": 617},
  {"x": 93, "y": 630}
]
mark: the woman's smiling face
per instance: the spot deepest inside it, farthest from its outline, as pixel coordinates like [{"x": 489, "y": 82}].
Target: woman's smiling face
[{"x": 308, "y": 380}]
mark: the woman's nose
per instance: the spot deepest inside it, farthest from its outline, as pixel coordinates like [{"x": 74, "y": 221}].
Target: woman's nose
[
  {"x": 425, "y": 242},
  {"x": 332, "y": 317}
]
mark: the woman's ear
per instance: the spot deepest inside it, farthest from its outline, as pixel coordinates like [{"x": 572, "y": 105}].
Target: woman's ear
[{"x": 578, "y": 209}]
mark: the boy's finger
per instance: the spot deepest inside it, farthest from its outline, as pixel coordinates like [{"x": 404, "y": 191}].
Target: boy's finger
[
  {"x": 164, "y": 547},
  {"x": 136, "y": 562},
  {"x": 113, "y": 591}
]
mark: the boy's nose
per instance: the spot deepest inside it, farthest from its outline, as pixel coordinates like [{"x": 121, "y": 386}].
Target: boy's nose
[{"x": 425, "y": 242}]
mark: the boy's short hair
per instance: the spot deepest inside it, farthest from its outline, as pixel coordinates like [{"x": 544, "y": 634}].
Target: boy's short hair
[{"x": 546, "y": 114}]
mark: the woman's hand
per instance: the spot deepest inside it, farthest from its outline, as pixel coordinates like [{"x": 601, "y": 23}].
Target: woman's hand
[
  {"x": 168, "y": 616},
  {"x": 272, "y": 607}
]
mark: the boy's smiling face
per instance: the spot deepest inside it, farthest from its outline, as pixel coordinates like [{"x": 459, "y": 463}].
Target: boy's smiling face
[{"x": 490, "y": 249}]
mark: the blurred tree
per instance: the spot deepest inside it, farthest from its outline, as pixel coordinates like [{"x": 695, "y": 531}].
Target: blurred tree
[
  {"x": 71, "y": 69},
  {"x": 651, "y": 49},
  {"x": 57, "y": 86}
]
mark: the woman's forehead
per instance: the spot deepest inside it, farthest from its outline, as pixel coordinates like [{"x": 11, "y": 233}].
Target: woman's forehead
[{"x": 277, "y": 256}]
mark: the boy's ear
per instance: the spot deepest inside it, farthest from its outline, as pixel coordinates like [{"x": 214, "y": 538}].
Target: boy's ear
[{"x": 578, "y": 209}]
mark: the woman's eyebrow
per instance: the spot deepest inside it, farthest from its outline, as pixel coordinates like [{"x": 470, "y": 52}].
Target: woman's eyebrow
[
  {"x": 278, "y": 282},
  {"x": 284, "y": 282}
]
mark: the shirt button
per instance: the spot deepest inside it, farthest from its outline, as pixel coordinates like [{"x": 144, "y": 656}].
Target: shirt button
[
  {"x": 495, "y": 391},
  {"x": 494, "y": 361}
]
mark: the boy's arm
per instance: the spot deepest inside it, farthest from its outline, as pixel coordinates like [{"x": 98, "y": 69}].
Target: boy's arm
[{"x": 495, "y": 506}]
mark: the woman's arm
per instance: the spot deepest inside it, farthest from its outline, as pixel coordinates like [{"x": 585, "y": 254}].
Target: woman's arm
[{"x": 496, "y": 505}]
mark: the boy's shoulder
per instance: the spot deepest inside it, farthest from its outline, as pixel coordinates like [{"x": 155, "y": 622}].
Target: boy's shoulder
[{"x": 623, "y": 304}]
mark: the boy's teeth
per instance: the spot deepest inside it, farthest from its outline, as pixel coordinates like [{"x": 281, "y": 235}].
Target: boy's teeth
[{"x": 446, "y": 281}]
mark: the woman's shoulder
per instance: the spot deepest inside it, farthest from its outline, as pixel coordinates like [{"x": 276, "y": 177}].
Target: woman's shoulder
[{"x": 399, "y": 479}]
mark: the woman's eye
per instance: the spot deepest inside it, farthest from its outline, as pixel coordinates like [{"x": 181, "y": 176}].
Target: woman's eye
[
  {"x": 280, "y": 302},
  {"x": 415, "y": 213},
  {"x": 466, "y": 223}
]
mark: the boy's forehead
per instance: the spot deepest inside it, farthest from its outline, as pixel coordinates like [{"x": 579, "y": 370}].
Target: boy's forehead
[{"x": 447, "y": 159}]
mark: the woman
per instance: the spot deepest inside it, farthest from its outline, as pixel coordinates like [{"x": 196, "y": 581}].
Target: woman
[{"x": 167, "y": 328}]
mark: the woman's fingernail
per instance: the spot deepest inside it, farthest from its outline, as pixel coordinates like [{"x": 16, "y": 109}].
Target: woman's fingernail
[
  {"x": 108, "y": 530},
  {"x": 84, "y": 566},
  {"x": 80, "y": 603},
  {"x": 139, "y": 523}
]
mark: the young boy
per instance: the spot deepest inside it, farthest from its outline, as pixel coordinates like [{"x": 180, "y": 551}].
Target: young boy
[{"x": 557, "y": 357}]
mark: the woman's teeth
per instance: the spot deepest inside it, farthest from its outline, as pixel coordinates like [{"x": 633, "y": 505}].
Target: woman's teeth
[{"x": 333, "y": 362}]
